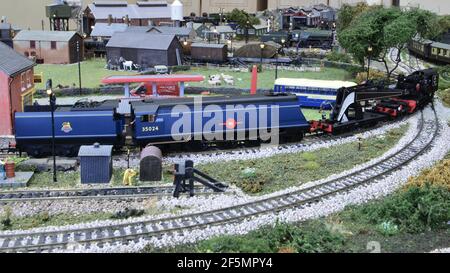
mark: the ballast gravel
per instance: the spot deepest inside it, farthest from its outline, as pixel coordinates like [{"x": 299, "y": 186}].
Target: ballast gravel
[{"x": 335, "y": 203}]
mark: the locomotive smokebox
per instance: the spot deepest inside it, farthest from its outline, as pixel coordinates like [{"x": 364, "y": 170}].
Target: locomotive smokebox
[{"x": 151, "y": 164}]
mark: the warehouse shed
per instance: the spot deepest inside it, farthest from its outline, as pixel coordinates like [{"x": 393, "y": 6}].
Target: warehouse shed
[{"x": 144, "y": 49}]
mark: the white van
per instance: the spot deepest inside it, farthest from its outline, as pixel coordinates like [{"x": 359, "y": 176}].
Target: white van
[{"x": 161, "y": 69}]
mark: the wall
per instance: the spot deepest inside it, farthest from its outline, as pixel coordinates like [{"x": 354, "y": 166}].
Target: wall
[
  {"x": 16, "y": 92},
  {"x": 43, "y": 50}
]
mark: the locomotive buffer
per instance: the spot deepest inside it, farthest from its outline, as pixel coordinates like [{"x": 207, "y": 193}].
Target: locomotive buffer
[{"x": 186, "y": 175}]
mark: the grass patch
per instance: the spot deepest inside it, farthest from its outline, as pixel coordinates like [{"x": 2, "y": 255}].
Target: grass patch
[
  {"x": 401, "y": 222},
  {"x": 68, "y": 179},
  {"x": 44, "y": 219},
  {"x": 314, "y": 114},
  {"x": 92, "y": 72},
  {"x": 266, "y": 79},
  {"x": 285, "y": 170},
  {"x": 444, "y": 95}
]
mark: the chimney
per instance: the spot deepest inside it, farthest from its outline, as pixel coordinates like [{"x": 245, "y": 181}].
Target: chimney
[{"x": 110, "y": 18}]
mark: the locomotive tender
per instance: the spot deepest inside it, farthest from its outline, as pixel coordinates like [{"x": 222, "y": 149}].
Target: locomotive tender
[
  {"x": 153, "y": 122},
  {"x": 177, "y": 121}
]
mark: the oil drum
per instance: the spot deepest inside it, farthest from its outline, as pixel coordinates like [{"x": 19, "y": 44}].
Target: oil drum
[{"x": 9, "y": 169}]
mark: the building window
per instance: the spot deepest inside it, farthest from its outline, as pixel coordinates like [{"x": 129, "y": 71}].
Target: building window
[
  {"x": 29, "y": 79},
  {"x": 32, "y": 44},
  {"x": 53, "y": 44},
  {"x": 23, "y": 81}
]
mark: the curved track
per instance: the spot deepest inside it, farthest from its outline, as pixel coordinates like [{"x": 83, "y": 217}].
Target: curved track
[{"x": 59, "y": 240}]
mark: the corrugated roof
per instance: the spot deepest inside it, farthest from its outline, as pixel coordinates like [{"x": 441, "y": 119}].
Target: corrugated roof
[
  {"x": 141, "y": 40},
  {"x": 40, "y": 35},
  {"x": 106, "y": 30},
  {"x": 180, "y": 31},
  {"x": 133, "y": 11},
  {"x": 440, "y": 45},
  {"x": 205, "y": 45},
  {"x": 12, "y": 62},
  {"x": 92, "y": 150},
  {"x": 223, "y": 29}
]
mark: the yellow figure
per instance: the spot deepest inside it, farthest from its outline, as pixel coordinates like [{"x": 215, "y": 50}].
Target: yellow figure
[{"x": 128, "y": 177}]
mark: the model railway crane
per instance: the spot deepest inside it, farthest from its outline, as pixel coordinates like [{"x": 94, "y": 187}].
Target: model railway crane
[{"x": 369, "y": 103}]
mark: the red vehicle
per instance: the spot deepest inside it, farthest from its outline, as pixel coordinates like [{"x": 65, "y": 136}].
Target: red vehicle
[{"x": 162, "y": 89}]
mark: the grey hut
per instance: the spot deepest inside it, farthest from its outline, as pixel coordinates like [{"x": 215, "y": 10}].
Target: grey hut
[{"x": 95, "y": 163}]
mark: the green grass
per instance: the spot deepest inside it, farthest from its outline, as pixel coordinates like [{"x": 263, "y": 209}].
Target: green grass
[
  {"x": 266, "y": 79},
  {"x": 270, "y": 174},
  {"x": 412, "y": 220},
  {"x": 68, "y": 179},
  {"x": 314, "y": 114},
  {"x": 92, "y": 72},
  {"x": 44, "y": 219}
]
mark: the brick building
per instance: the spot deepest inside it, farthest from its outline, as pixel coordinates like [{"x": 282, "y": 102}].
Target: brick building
[
  {"x": 139, "y": 14},
  {"x": 52, "y": 47},
  {"x": 16, "y": 86}
]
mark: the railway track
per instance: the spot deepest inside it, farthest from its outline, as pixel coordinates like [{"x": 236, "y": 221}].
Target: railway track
[
  {"x": 59, "y": 240},
  {"x": 218, "y": 155},
  {"x": 94, "y": 193}
]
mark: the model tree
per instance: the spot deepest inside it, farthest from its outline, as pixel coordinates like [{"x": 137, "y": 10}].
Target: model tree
[
  {"x": 380, "y": 33},
  {"x": 243, "y": 20}
]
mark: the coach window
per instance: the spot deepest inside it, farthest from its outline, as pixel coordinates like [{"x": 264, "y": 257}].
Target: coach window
[
  {"x": 33, "y": 44},
  {"x": 53, "y": 45}
]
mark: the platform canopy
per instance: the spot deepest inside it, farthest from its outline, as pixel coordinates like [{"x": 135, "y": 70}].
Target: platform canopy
[{"x": 152, "y": 79}]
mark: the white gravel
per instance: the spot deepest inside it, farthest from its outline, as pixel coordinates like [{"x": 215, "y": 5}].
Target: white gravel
[
  {"x": 263, "y": 151},
  {"x": 441, "y": 250},
  {"x": 333, "y": 204},
  {"x": 325, "y": 207}
]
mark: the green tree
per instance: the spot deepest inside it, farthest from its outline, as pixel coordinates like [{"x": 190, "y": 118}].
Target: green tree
[
  {"x": 348, "y": 12},
  {"x": 242, "y": 18},
  {"x": 382, "y": 29}
]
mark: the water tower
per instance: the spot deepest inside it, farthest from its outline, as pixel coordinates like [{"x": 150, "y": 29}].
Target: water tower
[
  {"x": 59, "y": 14},
  {"x": 177, "y": 13}
]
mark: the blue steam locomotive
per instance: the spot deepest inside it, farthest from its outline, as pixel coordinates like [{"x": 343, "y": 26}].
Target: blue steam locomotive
[{"x": 224, "y": 119}]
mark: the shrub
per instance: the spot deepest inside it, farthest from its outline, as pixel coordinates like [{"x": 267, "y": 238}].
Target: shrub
[
  {"x": 413, "y": 210},
  {"x": 284, "y": 238},
  {"x": 373, "y": 75},
  {"x": 311, "y": 165},
  {"x": 439, "y": 175},
  {"x": 335, "y": 56},
  {"x": 178, "y": 68},
  {"x": 309, "y": 156},
  {"x": 127, "y": 213},
  {"x": 6, "y": 219}
]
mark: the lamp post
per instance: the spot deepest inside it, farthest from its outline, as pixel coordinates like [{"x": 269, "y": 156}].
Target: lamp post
[
  {"x": 79, "y": 65},
  {"x": 246, "y": 30},
  {"x": 276, "y": 64},
  {"x": 369, "y": 50},
  {"x": 52, "y": 100},
  {"x": 230, "y": 42},
  {"x": 216, "y": 32},
  {"x": 262, "y": 48}
]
